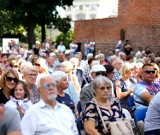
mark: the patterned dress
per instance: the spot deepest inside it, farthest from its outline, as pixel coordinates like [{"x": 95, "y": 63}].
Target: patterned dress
[{"x": 109, "y": 115}]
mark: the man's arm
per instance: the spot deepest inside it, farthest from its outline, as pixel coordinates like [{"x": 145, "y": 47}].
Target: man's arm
[
  {"x": 146, "y": 97},
  {"x": 15, "y": 133},
  {"x": 12, "y": 119}
]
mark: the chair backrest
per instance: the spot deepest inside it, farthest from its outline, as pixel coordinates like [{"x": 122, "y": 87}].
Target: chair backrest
[
  {"x": 140, "y": 114},
  {"x": 131, "y": 103}
]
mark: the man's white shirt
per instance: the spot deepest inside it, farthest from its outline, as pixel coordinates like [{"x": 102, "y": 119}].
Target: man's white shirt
[
  {"x": 61, "y": 48},
  {"x": 42, "y": 119}
]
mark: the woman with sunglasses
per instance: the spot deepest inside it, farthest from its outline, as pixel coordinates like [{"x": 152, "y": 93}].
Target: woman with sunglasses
[
  {"x": 110, "y": 109},
  {"x": 8, "y": 82}
]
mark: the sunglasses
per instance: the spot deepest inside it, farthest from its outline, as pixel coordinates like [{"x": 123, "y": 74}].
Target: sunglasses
[
  {"x": 150, "y": 72},
  {"x": 47, "y": 86},
  {"x": 105, "y": 87},
  {"x": 101, "y": 73},
  {"x": 9, "y": 79}
]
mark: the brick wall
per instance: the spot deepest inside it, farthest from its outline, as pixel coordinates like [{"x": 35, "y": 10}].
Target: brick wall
[{"x": 140, "y": 20}]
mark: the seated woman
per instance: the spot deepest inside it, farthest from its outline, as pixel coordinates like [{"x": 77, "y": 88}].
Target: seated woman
[
  {"x": 125, "y": 86},
  {"x": 110, "y": 109},
  {"x": 62, "y": 83},
  {"x": 157, "y": 73}
]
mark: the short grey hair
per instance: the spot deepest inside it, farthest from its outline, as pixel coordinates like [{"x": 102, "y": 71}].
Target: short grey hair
[
  {"x": 40, "y": 77},
  {"x": 59, "y": 75},
  {"x": 28, "y": 69},
  {"x": 57, "y": 67},
  {"x": 100, "y": 80}
]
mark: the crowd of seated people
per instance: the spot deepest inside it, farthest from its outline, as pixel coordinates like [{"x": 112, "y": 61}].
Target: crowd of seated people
[{"x": 43, "y": 90}]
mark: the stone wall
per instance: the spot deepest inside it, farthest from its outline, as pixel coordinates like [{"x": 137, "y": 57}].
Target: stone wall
[{"x": 140, "y": 19}]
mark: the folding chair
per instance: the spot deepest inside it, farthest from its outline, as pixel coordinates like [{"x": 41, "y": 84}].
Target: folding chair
[
  {"x": 140, "y": 114},
  {"x": 131, "y": 103}
]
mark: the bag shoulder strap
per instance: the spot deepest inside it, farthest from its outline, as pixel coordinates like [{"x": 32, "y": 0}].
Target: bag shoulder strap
[
  {"x": 145, "y": 104},
  {"x": 100, "y": 114}
]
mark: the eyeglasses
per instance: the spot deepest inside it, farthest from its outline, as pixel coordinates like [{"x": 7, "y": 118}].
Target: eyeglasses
[
  {"x": 47, "y": 86},
  {"x": 107, "y": 87},
  {"x": 9, "y": 79},
  {"x": 32, "y": 75},
  {"x": 101, "y": 73},
  {"x": 150, "y": 72}
]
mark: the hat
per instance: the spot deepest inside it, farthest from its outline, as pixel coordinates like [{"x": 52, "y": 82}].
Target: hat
[
  {"x": 98, "y": 68},
  {"x": 67, "y": 52}
]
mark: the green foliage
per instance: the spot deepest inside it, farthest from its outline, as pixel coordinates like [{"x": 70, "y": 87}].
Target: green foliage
[
  {"x": 63, "y": 24},
  {"x": 29, "y": 14},
  {"x": 66, "y": 38}
]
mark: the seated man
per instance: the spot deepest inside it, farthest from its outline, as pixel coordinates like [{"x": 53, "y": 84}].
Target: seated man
[
  {"x": 47, "y": 116},
  {"x": 146, "y": 89},
  {"x": 9, "y": 121},
  {"x": 152, "y": 120}
]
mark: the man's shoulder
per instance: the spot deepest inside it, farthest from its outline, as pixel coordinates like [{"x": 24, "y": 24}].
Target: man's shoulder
[
  {"x": 86, "y": 87},
  {"x": 64, "y": 107}
]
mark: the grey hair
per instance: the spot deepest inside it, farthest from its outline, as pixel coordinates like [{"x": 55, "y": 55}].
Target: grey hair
[
  {"x": 100, "y": 80},
  {"x": 58, "y": 75},
  {"x": 40, "y": 77},
  {"x": 116, "y": 60},
  {"x": 29, "y": 68},
  {"x": 56, "y": 68}
]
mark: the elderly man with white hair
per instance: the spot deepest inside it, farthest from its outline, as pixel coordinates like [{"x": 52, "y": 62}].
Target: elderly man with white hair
[{"x": 47, "y": 116}]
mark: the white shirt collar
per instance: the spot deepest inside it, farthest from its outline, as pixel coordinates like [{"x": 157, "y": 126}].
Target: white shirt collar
[{"x": 43, "y": 104}]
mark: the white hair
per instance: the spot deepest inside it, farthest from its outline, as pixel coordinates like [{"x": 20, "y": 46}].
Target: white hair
[
  {"x": 90, "y": 55},
  {"x": 58, "y": 75},
  {"x": 116, "y": 60},
  {"x": 40, "y": 77},
  {"x": 74, "y": 61}
]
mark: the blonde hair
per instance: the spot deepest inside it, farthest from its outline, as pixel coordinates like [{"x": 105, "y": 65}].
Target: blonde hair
[
  {"x": 125, "y": 68},
  {"x": 68, "y": 65},
  {"x": 156, "y": 68},
  {"x": 4, "y": 74}
]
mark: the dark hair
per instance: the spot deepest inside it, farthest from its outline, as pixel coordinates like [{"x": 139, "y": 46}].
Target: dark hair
[
  {"x": 90, "y": 60},
  {"x": 25, "y": 89},
  {"x": 109, "y": 68},
  {"x": 129, "y": 57},
  {"x": 145, "y": 65},
  {"x": 4, "y": 54}
]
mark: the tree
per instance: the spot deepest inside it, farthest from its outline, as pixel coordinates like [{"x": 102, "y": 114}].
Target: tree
[
  {"x": 29, "y": 13},
  {"x": 66, "y": 38}
]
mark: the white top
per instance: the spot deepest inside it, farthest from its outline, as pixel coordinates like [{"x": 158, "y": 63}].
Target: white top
[
  {"x": 73, "y": 47},
  {"x": 25, "y": 103},
  {"x": 92, "y": 45},
  {"x": 42, "y": 119},
  {"x": 61, "y": 48}
]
